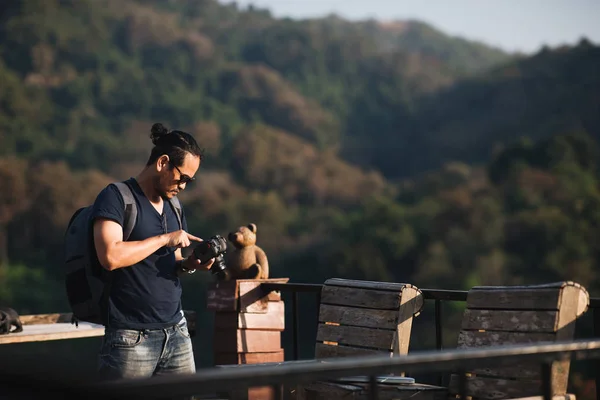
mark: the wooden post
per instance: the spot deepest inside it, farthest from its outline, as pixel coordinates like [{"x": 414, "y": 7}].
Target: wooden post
[{"x": 247, "y": 326}]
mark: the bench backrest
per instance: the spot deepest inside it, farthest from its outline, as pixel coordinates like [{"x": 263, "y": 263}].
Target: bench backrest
[
  {"x": 363, "y": 317},
  {"x": 513, "y": 315}
]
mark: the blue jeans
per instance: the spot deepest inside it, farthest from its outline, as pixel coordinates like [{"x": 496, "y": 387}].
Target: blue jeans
[{"x": 127, "y": 353}]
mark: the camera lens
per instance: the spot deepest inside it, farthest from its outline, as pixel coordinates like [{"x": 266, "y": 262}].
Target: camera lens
[{"x": 214, "y": 247}]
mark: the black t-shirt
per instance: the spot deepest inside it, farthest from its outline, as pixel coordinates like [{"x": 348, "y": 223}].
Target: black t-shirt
[{"x": 146, "y": 295}]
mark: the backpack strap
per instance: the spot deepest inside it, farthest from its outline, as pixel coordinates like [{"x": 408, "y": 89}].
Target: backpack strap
[
  {"x": 178, "y": 211},
  {"x": 130, "y": 208},
  {"x": 129, "y": 220}
]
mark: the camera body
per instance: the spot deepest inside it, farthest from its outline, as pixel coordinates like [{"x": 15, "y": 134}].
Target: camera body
[{"x": 215, "y": 247}]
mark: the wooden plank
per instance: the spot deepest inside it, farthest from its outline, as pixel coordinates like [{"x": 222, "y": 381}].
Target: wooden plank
[
  {"x": 252, "y": 298},
  {"x": 411, "y": 303},
  {"x": 476, "y": 339},
  {"x": 584, "y": 302},
  {"x": 374, "y": 285},
  {"x": 509, "y": 320},
  {"x": 550, "y": 285},
  {"x": 323, "y": 350},
  {"x": 222, "y": 296},
  {"x": 248, "y": 358},
  {"x": 583, "y": 293},
  {"x": 416, "y": 391},
  {"x": 376, "y": 299},
  {"x": 36, "y": 319},
  {"x": 518, "y": 370},
  {"x": 53, "y": 331},
  {"x": 263, "y": 393},
  {"x": 252, "y": 393},
  {"x": 567, "y": 315},
  {"x": 225, "y": 295},
  {"x": 514, "y": 299},
  {"x": 384, "y": 319},
  {"x": 46, "y": 318},
  {"x": 246, "y": 341},
  {"x": 560, "y": 376},
  {"x": 356, "y": 336},
  {"x": 274, "y": 296},
  {"x": 496, "y": 388},
  {"x": 322, "y": 390},
  {"x": 566, "y": 396},
  {"x": 274, "y": 319}
]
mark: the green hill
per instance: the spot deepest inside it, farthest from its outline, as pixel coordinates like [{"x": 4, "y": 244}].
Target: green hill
[
  {"x": 78, "y": 72},
  {"x": 552, "y": 92}
]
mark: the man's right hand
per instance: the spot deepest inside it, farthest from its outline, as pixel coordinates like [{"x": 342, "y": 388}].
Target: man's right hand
[
  {"x": 114, "y": 253},
  {"x": 181, "y": 239}
]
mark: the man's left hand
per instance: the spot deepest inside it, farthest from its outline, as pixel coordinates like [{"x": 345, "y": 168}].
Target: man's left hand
[{"x": 193, "y": 263}]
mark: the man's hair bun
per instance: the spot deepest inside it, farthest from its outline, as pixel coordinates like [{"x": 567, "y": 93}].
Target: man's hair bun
[
  {"x": 157, "y": 132},
  {"x": 173, "y": 143}
]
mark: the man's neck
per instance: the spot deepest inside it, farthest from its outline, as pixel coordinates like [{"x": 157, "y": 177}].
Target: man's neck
[{"x": 146, "y": 182}]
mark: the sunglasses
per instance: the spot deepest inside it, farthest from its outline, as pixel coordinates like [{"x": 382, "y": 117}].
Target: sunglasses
[{"x": 183, "y": 178}]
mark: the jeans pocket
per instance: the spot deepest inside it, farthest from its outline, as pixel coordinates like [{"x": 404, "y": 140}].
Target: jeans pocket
[
  {"x": 183, "y": 328},
  {"x": 126, "y": 338}
]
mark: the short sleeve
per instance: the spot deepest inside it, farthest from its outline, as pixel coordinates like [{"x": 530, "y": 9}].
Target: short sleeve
[{"x": 109, "y": 204}]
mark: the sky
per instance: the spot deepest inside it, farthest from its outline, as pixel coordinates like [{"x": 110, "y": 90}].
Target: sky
[{"x": 513, "y": 25}]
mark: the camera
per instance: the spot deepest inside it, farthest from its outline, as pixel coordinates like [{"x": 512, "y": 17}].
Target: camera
[{"x": 214, "y": 247}]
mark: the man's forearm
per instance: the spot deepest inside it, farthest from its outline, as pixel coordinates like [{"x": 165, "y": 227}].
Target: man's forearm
[{"x": 124, "y": 254}]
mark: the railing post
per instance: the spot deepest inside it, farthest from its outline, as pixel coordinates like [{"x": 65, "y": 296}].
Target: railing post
[
  {"x": 295, "y": 325},
  {"x": 547, "y": 380},
  {"x": 277, "y": 389},
  {"x": 462, "y": 384},
  {"x": 438, "y": 324},
  {"x": 597, "y": 361},
  {"x": 438, "y": 333},
  {"x": 373, "y": 392}
]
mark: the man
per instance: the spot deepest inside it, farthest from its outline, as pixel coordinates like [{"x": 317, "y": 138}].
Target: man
[{"x": 146, "y": 332}]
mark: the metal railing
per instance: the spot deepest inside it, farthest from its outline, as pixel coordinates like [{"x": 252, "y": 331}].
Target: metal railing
[
  {"x": 295, "y": 289},
  {"x": 211, "y": 380}
]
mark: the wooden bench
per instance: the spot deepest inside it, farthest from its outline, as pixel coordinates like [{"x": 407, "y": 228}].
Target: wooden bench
[
  {"x": 364, "y": 318},
  {"x": 510, "y": 315}
]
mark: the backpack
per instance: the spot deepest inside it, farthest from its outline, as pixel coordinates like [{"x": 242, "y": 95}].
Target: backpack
[{"x": 87, "y": 282}]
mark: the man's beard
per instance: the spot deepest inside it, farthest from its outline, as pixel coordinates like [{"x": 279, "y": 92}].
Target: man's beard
[{"x": 158, "y": 188}]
